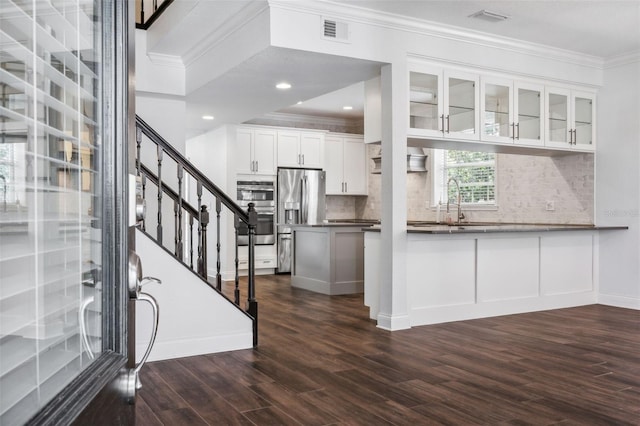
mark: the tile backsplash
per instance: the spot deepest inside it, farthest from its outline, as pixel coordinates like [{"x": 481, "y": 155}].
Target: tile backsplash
[{"x": 525, "y": 185}]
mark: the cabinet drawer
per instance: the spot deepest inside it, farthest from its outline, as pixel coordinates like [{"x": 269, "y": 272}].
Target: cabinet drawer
[{"x": 260, "y": 263}]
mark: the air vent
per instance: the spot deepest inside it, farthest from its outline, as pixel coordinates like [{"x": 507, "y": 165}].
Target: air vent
[{"x": 335, "y": 30}]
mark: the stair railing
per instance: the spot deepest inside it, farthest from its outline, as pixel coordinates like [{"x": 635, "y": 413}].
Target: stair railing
[
  {"x": 198, "y": 215},
  {"x": 147, "y": 11}
]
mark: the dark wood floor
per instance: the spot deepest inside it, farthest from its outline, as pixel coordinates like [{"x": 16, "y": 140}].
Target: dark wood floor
[{"x": 321, "y": 361}]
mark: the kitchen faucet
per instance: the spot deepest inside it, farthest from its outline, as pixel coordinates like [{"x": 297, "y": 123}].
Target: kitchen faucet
[{"x": 459, "y": 198}]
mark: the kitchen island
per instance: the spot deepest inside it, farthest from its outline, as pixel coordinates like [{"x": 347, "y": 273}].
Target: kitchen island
[
  {"x": 475, "y": 271},
  {"x": 328, "y": 258}
]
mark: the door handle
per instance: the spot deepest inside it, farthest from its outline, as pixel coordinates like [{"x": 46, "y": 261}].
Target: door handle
[{"x": 136, "y": 282}]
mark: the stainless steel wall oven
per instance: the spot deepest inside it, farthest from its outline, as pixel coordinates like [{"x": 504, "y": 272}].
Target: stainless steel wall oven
[{"x": 261, "y": 194}]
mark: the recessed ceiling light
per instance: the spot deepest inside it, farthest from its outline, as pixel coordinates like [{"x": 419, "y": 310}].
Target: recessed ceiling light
[
  {"x": 486, "y": 15},
  {"x": 299, "y": 102},
  {"x": 283, "y": 86},
  {"x": 207, "y": 117},
  {"x": 347, "y": 107}
]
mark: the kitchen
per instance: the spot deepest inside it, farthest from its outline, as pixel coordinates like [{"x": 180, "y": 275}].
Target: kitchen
[
  {"x": 398, "y": 207},
  {"x": 528, "y": 189}
]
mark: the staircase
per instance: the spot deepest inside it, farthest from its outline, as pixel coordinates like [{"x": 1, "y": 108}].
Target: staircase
[{"x": 179, "y": 236}]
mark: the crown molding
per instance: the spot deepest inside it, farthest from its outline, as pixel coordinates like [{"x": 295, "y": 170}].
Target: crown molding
[
  {"x": 624, "y": 59},
  {"x": 408, "y": 24},
  {"x": 232, "y": 25},
  {"x": 164, "y": 60}
]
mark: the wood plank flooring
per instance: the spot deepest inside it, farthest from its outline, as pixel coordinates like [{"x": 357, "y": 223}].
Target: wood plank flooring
[{"x": 321, "y": 361}]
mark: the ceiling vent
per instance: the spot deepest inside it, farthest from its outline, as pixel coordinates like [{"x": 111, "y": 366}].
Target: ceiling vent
[
  {"x": 485, "y": 15},
  {"x": 334, "y": 30}
]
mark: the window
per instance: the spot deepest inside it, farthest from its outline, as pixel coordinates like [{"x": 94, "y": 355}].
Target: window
[{"x": 475, "y": 173}]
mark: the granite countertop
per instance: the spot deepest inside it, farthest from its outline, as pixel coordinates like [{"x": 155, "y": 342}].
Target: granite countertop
[
  {"x": 469, "y": 228},
  {"x": 332, "y": 225}
]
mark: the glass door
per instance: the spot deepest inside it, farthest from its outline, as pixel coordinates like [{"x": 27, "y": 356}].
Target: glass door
[
  {"x": 497, "y": 110},
  {"x": 558, "y": 124},
  {"x": 59, "y": 225},
  {"x": 583, "y": 122},
  {"x": 461, "y": 112},
  {"x": 426, "y": 102},
  {"x": 528, "y": 108}
]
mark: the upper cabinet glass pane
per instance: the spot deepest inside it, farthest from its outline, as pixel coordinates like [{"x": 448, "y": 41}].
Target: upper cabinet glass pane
[
  {"x": 583, "y": 121},
  {"x": 462, "y": 100},
  {"x": 558, "y": 117},
  {"x": 496, "y": 110},
  {"x": 50, "y": 210},
  {"x": 529, "y": 114},
  {"x": 423, "y": 98}
]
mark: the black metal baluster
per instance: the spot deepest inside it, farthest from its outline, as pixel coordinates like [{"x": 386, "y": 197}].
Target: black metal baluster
[
  {"x": 236, "y": 292},
  {"x": 159, "y": 229},
  {"x": 199, "y": 193},
  {"x": 175, "y": 227},
  {"x": 138, "y": 146},
  {"x": 191, "y": 241},
  {"x": 179, "y": 243},
  {"x": 252, "y": 304},
  {"x": 204, "y": 217},
  {"x": 218, "y": 264},
  {"x": 144, "y": 197}
]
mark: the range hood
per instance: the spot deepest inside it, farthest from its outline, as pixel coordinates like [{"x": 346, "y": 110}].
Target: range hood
[{"x": 416, "y": 161}]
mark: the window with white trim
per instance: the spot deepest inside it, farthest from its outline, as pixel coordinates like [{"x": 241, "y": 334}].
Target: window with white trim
[{"x": 475, "y": 173}]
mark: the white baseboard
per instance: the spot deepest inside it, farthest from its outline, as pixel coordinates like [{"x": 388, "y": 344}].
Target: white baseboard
[
  {"x": 619, "y": 301},
  {"x": 462, "y": 312},
  {"x": 393, "y": 322},
  {"x": 190, "y": 347}
]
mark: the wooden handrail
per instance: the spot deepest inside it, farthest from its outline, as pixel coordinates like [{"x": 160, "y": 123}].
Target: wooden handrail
[{"x": 192, "y": 170}]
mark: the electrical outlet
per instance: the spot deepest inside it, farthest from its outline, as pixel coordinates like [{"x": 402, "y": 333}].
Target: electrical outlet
[{"x": 551, "y": 205}]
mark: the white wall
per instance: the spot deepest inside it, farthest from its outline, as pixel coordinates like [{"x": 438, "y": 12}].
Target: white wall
[
  {"x": 194, "y": 318},
  {"x": 162, "y": 74},
  {"x": 617, "y": 184},
  {"x": 208, "y": 152}
]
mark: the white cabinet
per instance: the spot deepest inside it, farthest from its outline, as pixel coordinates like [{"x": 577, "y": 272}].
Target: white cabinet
[
  {"x": 458, "y": 108},
  {"x": 570, "y": 119},
  {"x": 255, "y": 151},
  {"x": 300, "y": 149},
  {"x": 443, "y": 103},
  {"x": 511, "y": 111},
  {"x": 345, "y": 165}
]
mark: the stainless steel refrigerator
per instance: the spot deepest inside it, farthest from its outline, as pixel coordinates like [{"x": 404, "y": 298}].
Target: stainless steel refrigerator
[{"x": 301, "y": 199}]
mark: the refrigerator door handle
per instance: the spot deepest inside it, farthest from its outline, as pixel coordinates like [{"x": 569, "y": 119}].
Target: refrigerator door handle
[{"x": 304, "y": 201}]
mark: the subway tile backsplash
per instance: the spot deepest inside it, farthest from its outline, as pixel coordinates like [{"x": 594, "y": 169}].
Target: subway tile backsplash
[{"x": 525, "y": 185}]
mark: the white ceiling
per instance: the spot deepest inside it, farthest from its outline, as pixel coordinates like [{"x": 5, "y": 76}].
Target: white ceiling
[{"x": 604, "y": 29}]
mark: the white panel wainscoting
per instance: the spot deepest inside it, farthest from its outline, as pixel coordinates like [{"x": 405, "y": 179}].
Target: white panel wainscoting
[
  {"x": 328, "y": 259},
  {"x": 454, "y": 277}
]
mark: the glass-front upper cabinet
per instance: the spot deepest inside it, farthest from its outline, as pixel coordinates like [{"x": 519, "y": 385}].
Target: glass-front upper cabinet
[
  {"x": 511, "y": 112},
  {"x": 570, "y": 119},
  {"x": 443, "y": 103},
  {"x": 528, "y": 112},
  {"x": 584, "y": 129}
]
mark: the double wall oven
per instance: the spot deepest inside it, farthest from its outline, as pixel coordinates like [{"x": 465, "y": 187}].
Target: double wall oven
[{"x": 261, "y": 194}]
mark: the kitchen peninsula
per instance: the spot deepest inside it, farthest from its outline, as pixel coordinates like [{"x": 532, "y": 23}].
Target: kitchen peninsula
[
  {"x": 464, "y": 272},
  {"x": 328, "y": 258}
]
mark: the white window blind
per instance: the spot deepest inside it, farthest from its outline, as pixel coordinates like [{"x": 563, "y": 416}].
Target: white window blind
[
  {"x": 50, "y": 237},
  {"x": 475, "y": 173}
]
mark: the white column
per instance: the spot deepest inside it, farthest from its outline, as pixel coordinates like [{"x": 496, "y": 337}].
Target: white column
[{"x": 394, "y": 312}]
